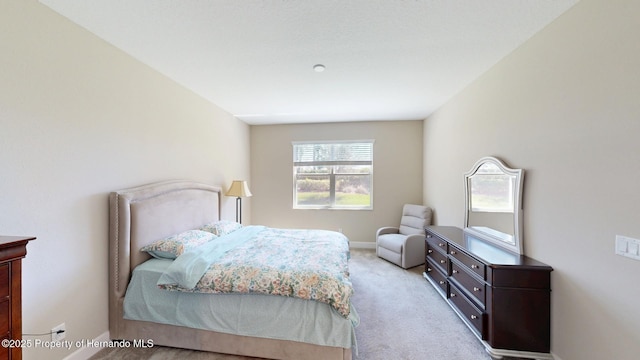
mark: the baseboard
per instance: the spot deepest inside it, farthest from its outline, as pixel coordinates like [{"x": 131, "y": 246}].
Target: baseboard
[
  {"x": 86, "y": 352},
  {"x": 362, "y": 245}
]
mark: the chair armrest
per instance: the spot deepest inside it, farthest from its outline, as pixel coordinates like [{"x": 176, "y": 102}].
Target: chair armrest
[
  {"x": 387, "y": 230},
  {"x": 414, "y": 250}
]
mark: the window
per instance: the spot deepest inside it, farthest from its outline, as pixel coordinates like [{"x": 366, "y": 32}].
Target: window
[{"x": 333, "y": 175}]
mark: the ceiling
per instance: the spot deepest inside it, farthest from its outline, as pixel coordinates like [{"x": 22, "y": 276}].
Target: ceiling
[{"x": 384, "y": 59}]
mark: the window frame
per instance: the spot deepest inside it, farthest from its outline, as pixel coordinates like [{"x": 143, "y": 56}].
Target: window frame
[{"x": 332, "y": 174}]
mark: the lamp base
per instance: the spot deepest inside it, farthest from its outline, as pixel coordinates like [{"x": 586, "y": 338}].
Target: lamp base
[{"x": 239, "y": 210}]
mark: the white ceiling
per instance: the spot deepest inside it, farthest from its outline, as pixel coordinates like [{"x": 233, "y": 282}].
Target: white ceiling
[{"x": 385, "y": 59}]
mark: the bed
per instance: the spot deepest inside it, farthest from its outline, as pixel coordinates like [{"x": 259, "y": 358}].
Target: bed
[{"x": 253, "y": 324}]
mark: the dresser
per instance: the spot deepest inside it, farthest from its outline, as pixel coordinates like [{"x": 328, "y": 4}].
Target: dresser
[
  {"x": 12, "y": 250},
  {"x": 502, "y": 297}
]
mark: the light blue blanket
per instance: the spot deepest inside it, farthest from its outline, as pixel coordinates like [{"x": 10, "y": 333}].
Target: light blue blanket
[{"x": 188, "y": 268}]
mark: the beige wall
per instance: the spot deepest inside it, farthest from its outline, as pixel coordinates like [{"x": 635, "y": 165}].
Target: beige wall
[
  {"x": 397, "y": 179},
  {"x": 565, "y": 107},
  {"x": 78, "y": 119}
]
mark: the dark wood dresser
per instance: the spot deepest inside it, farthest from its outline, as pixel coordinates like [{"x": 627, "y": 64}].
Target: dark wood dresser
[
  {"x": 504, "y": 298},
  {"x": 12, "y": 250}
]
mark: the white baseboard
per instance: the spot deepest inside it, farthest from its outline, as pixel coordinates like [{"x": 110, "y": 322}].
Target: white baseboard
[
  {"x": 86, "y": 352},
  {"x": 362, "y": 245}
]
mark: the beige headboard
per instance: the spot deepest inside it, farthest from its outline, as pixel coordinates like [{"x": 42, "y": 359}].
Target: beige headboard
[{"x": 141, "y": 215}]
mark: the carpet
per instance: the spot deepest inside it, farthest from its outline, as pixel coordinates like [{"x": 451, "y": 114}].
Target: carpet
[{"x": 402, "y": 317}]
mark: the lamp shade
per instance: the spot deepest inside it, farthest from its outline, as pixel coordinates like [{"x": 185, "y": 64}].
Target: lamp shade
[{"x": 239, "y": 188}]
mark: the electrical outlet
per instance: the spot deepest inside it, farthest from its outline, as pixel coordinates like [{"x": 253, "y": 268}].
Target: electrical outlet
[{"x": 56, "y": 335}]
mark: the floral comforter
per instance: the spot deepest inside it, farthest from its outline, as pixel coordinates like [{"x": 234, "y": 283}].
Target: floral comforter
[{"x": 307, "y": 264}]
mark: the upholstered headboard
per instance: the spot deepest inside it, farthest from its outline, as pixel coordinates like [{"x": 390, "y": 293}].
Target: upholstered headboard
[{"x": 141, "y": 215}]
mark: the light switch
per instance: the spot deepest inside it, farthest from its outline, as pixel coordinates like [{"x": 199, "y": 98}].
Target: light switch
[
  {"x": 628, "y": 247},
  {"x": 621, "y": 245}
]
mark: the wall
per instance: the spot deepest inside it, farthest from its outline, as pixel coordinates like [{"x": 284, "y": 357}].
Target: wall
[
  {"x": 564, "y": 107},
  {"x": 79, "y": 119},
  {"x": 397, "y": 178}
]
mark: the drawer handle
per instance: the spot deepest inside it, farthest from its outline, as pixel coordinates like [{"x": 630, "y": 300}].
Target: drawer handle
[
  {"x": 442, "y": 261},
  {"x": 473, "y": 317},
  {"x": 441, "y": 282},
  {"x": 453, "y": 252},
  {"x": 429, "y": 236},
  {"x": 428, "y": 269},
  {"x": 476, "y": 289},
  {"x": 452, "y": 295},
  {"x": 430, "y": 251},
  {"x": 441, "y": 244},
  {"x": 455, "y": 271},
  {"x": 474, "y": 266}
]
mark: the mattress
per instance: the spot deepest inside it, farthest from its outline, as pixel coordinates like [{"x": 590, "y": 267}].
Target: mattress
[{"x": 266, "y": 316}]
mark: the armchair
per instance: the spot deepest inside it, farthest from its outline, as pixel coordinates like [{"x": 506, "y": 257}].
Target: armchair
[{"x": 404, "y": 245}]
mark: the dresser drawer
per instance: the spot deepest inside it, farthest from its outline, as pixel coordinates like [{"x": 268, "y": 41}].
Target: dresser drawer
[
  {"x": 5, "y": 325},
  {"x": 436, "y": 242},
  {"x": 438, "y": 277},
  {"x": 468, "y": 282},
  {"x": 4, "y": 351},
  {"x": 469, "y": 311},
  {"x": 438, "y": 258},
  {"x": 470, "y": 262},
  {"x": 4, "y": 280}
]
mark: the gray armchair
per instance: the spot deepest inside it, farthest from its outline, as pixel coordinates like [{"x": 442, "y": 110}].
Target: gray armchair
[{"x": 404, "y": 245}]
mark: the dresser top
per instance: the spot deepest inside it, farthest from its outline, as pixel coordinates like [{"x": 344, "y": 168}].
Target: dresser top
[
  {"x": 490, "y": 254},
  {"x": 9, "y": 241}
]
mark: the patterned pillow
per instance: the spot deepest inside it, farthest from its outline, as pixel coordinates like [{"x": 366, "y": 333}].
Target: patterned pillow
[
  {"x": 175, "y": 245},
  {"x": 222, "y": 227}
]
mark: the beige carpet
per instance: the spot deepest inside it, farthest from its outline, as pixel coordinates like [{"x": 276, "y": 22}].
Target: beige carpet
[{"x": 401, "y": 317}]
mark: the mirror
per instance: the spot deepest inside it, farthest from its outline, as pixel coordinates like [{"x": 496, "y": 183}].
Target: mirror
[{"x": 493, "y": 203}]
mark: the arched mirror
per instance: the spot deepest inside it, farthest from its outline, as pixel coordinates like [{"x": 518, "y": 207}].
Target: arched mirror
[{"x": 493, "y": 203}]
